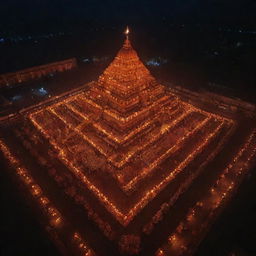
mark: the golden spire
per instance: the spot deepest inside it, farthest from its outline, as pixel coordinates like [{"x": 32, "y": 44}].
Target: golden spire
[
  {"x": 127, "y": 44},
  {"x": 126, "y": 32}
]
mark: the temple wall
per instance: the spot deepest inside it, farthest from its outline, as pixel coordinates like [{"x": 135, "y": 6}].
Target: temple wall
[
  {"x": 222, "y": 102},
  {"x": 37, "y": 72}
]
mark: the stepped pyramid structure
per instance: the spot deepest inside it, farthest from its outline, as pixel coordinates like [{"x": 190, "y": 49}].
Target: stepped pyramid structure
[
  {"x": 128, "y": 126},
  {"x": 126, "y": 107},
  {"x": 128, "y": 154}
]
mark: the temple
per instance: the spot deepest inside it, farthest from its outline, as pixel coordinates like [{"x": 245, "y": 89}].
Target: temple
[
  {"x": 128, "y": 152},
  {"x": 128, "y": 125},
  {"x": 124, "y": 109}
]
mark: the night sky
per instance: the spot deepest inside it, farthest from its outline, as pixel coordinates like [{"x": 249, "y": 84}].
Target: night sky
[{"x": 26, "y": 15}]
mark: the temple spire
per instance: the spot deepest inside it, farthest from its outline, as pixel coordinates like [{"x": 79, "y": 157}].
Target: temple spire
[
  {"x": 127, "y": 44},
  {"x": 126, "y": 32}
]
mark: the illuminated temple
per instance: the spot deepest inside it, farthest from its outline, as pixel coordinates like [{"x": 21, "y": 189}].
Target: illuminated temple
[{"x": 122, "y": 158}]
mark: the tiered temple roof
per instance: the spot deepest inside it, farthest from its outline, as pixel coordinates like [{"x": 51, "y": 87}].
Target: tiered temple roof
[{"x": 127, "y": 104}]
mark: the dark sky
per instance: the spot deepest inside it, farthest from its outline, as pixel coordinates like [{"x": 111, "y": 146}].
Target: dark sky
[{"x": 29, "y": 13}]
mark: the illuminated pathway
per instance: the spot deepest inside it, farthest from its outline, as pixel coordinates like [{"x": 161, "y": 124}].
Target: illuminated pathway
[
  {"x": 184, "y": 240},
  {"x": 55, "y": 221}
]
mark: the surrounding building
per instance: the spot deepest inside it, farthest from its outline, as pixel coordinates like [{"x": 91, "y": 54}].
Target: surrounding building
[{"x": 37, "y": 72}]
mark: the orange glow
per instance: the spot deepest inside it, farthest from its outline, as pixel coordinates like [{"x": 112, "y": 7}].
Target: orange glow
[
  {"x": 119, "y": 146},
  {"x": 248, "y": 152},
  {"x": 138, "y": 128},
  {"x": 55, "y": 219}
]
